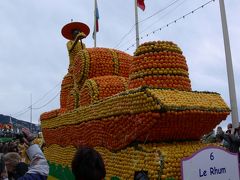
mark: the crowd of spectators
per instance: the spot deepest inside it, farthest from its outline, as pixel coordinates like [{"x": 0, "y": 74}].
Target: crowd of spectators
[
  {"x": 12, "y": 146},
  {"x": 230, "y": 139},
  {"x": 87, "y": 163},
  {"x": 22, "y": 159}
]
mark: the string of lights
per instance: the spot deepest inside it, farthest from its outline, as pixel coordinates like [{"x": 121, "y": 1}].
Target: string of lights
[
  {"x": 163, "y": 16},
  {"x": 154, "y": 14},
  {"x": 172, "y": 22},
  {"x": 159, "y": 11}
]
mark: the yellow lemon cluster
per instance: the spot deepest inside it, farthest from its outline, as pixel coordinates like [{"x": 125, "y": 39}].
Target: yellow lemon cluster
[
  {"x": 138, "y": 101},
  {"x": 181, "y": 100},
  {"x": 160, "y": 160},
  {"x": 130, "y": 102},
  {"x": 157, "y": 46}
]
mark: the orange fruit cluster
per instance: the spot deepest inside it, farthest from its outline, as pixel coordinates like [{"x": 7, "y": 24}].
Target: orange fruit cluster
[
  {"x": 50, "y": 114},
  {"x": 92, "y": 63},
  {"x": 159, "y": 64},
  {"x": 100, "y": 88},
  {"x": 98, "y": 110},
  {"x": 151, "y": 114},
  {"x": 95, "y": 62},
  {"x": 160, "y": 160},
  {"x": 114, "y": 133},
  {"x": 181, "y": 125},
  {"x": 67, "y": 85}
]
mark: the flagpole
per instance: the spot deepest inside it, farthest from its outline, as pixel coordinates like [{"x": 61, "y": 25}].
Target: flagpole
[
  {"x": 231, "y": 84},
  {"x": 95, "y": 25},
  {"x": 136, "y": 23}
]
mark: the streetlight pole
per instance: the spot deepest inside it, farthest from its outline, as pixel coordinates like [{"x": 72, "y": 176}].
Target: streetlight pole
[{"x": 231, "y": 83}]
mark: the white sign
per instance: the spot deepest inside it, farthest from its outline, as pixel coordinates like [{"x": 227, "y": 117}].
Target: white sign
[{"x": 211, "y": 163}]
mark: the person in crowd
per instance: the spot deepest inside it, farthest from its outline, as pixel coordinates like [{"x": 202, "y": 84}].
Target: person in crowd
[
  {"x": 39, "y": 140},
  {"x": 13, "y": 147},
  {"x": 15, "y": 168},
  {"x": 1, "y": 147},
  {"x": 22, "y": 146},
  {"x": 88, "y": 164},
  {"x": 5, "y": 148},
  {"x": 229, "y": 128},
  {"x": 141, "y": 175},
  {"x": 209, "y": 138},
  {"x": 38, "y": 169},
  {"x": 232, "y": 140}
]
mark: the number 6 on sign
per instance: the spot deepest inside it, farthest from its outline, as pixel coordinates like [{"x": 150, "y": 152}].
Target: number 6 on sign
[
  {"x": 211, "y": 163},
  {"x": 212, "y": 156}
]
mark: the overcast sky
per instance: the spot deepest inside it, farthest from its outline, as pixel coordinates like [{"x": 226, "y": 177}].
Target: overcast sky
[{"x": 34, "y": 58}]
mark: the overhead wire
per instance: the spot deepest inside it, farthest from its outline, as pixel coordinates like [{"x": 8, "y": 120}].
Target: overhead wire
[
  {"x": 24, "y": 112},
  {"x": 159, "y": 11},
  {"x": 26, "y": 109},
  {"x": 46, "y": 93},
  {"x": 172, "y": 22},
  {"x": 124, "y": 36},
  {"x": 154, "y": 14},
  {"x": 164, "y": 15},
  {"x": 47, "y": 102},
  {"x": 20, "y": 112}
]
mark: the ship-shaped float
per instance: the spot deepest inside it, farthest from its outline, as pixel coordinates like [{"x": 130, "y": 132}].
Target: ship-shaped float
[{"x": 138, "y": 111}]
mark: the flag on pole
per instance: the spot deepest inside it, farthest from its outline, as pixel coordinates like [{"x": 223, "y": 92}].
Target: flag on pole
[
  {"x": 96, "y": 18},
  {"x": 141, "y": 4}
]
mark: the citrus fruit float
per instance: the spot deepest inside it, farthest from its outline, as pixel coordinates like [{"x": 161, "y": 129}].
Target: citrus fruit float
[{"x": 138, "y": 111}]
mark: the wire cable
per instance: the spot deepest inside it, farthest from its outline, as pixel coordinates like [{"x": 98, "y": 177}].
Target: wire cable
[
  {"x": 159, "y": 11},
  {"x": 24, "y": 110},
  {"x": 154, "y": 14},
  {"x": 47, "y": 102},
  {"x": 172, "y": 22},
  {"x": 124, "y": 36},
  {"x": 46, "y": 93},
  {"x": 164, "y": 15}
]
